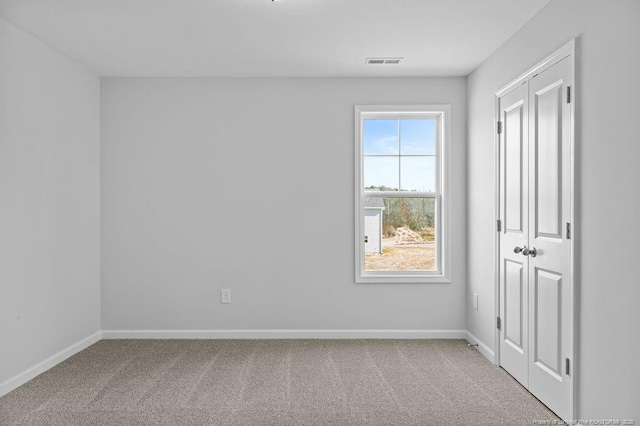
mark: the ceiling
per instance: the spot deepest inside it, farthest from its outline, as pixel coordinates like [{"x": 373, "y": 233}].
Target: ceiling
[{"x": 262, "y": 38}]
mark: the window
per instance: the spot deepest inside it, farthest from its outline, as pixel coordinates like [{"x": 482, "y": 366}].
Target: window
[{"x": 401, "y": 198}]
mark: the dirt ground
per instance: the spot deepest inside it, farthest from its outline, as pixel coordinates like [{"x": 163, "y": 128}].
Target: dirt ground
[{"x": 419, "y": 257}]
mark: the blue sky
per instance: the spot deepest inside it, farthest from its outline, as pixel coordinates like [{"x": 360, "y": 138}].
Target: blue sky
[{"x": 393, "y": 145}]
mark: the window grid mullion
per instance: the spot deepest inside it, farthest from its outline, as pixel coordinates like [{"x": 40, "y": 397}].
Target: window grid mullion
[
  {"x": 399, "y": 159},
  {"x": 396, "y": 155},
  {"x": 398, "y": 194}
]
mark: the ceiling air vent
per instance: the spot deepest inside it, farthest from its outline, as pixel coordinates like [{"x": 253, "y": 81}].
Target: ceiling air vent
[{"x": 384, "y": 61}]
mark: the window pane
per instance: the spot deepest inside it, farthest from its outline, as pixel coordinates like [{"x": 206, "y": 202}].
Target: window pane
[
  {"x": 399, "y": 234},
  {"x": 380, "y": 137},
  {"x": 418, "y": 174},
  {"x": 381, "y": 173},
  {"x": 418, "y": 136}
]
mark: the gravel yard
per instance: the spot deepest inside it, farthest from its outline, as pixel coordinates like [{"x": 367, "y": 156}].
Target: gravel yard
[{"x": 416, "y": 257}]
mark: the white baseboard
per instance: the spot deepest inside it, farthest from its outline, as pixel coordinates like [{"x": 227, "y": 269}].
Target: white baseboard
[
  {"x": 484, "y": 349},
  {"x": 30, "y": 373},
  {"x": 284, "y": 334}
]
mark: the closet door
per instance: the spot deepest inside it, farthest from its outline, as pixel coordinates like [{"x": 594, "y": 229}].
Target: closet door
[
  {"x": 535, "y": 253},
  {"x": 514, "y": 218},
  {"x": 550, "y": 251}
]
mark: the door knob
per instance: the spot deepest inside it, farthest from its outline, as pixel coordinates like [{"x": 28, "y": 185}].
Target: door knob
[
  {"x": 530, "y": 252},
  {"x": 519, "y": 249}
]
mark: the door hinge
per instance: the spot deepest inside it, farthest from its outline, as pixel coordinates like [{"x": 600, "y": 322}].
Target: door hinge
[
  {"x": 568, "y": 94},
  {"x": 568, "y": 231},
  {"x": 498, "y": 225},
  {"x": 567, "y": 366},
  {"x": 499, "y": 127},
  {"x": 498, "y": 323}
]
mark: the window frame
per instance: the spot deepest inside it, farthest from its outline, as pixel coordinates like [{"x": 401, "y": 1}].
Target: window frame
[{"x": 441, "y": 194}]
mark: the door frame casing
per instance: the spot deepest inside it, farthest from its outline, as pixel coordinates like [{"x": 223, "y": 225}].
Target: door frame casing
[{"x": 568, "y": 50}]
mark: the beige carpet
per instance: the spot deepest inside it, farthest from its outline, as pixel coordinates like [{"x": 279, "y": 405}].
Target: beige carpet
[{"x": 280, "y": 382}]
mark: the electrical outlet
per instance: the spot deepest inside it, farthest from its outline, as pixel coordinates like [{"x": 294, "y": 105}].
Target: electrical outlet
[
  {"x": 225, "y": 295},
  {"x": 475, "y": 301}
]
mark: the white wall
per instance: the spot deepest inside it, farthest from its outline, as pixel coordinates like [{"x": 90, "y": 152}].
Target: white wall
[
  {"x": 608, "y": 151},
  {"x": 49, "y": 208},
  {"x": 248, "y": 184}
]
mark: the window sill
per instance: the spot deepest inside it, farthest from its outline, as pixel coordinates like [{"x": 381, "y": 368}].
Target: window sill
[{"x": 403, "y": 279}]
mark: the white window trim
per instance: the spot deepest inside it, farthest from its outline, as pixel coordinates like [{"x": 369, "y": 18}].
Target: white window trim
[{"x": 443, "y": 232}]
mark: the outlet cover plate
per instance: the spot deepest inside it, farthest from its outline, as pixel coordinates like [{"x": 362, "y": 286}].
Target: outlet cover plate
[{"x": 225, "y": 295}]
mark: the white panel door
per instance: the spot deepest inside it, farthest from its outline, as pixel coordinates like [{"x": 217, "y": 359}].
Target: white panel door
[
  {"x": 514, "y": 217},
  {"x": 535, "y": 254},
  {"x": 549, "y": 266}
]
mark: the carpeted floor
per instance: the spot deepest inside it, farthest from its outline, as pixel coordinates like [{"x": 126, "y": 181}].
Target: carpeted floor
[{"x": 283, "y": 382}]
